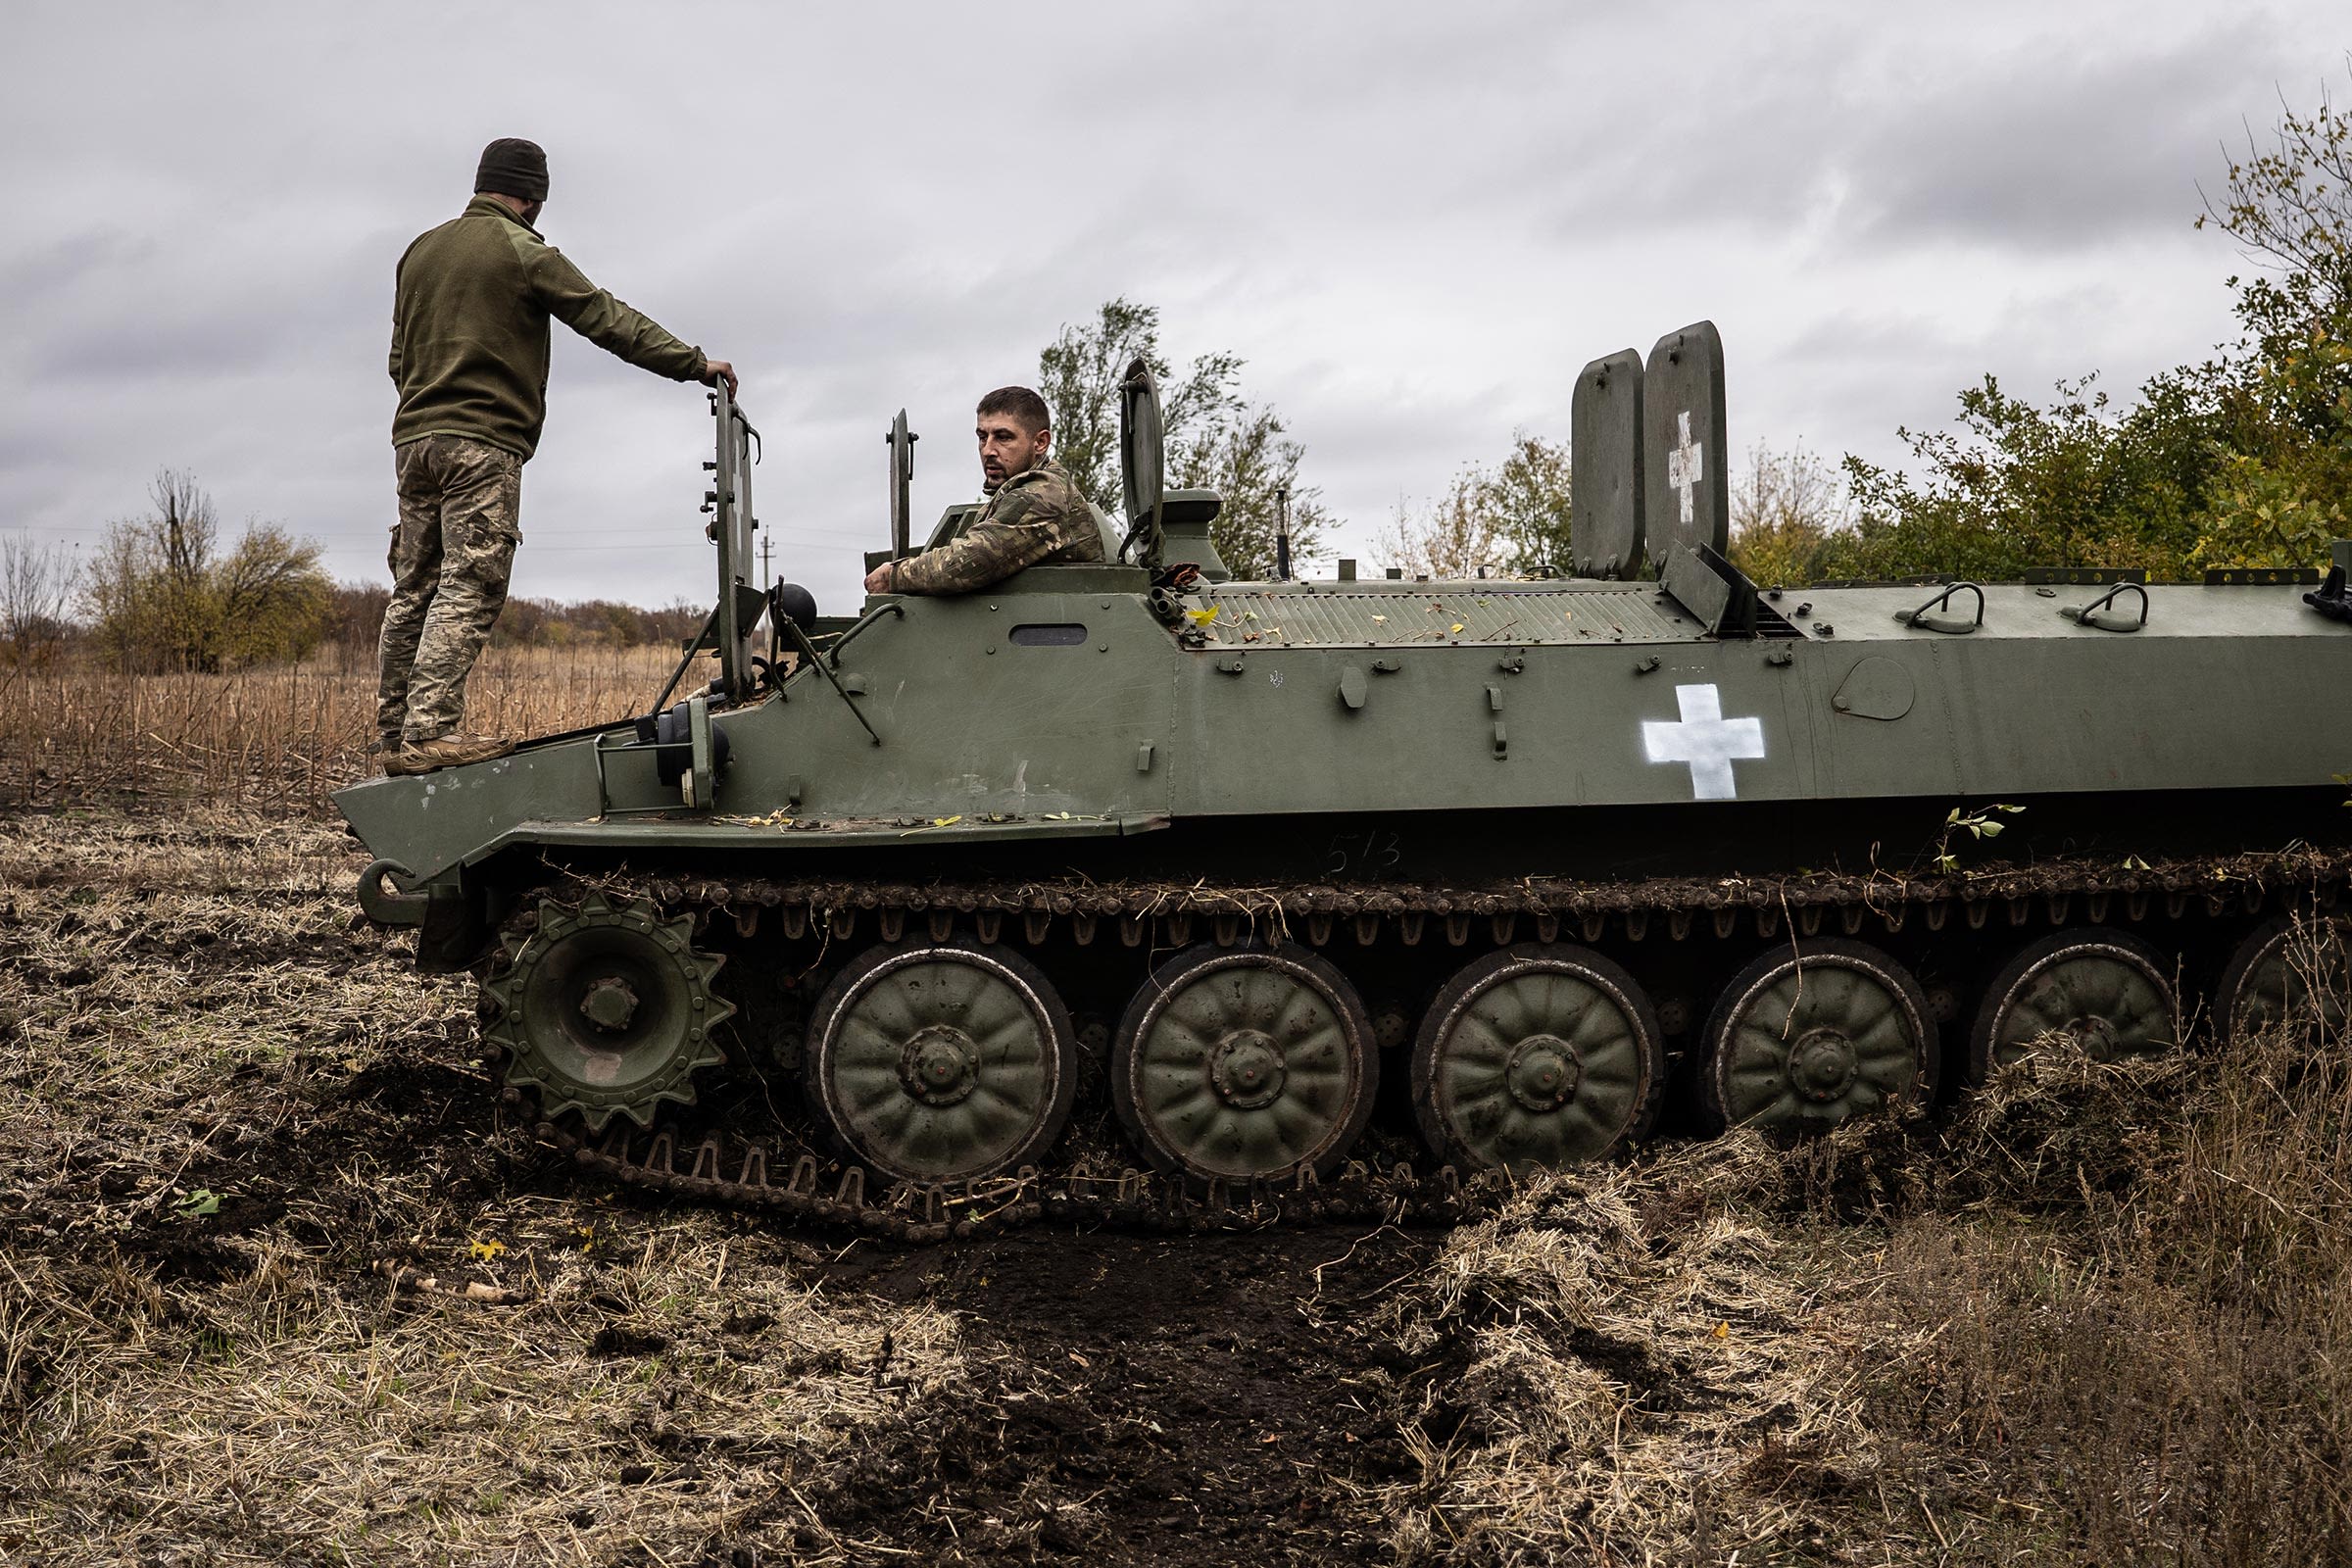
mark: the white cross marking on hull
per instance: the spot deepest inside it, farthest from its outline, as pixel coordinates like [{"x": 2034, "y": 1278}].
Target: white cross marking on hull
[
  {"x": 1707, "y": 740},
  {"x": 1685, "y": 462}
]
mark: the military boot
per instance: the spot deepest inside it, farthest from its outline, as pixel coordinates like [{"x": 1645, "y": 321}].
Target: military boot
[{"x": 448, "y": 751}]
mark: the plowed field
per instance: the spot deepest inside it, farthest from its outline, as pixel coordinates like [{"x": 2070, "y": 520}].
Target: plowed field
[{"x": 278, "y": 1285}]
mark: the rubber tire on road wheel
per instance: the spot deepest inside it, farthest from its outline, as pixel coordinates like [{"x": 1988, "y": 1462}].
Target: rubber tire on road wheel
[
  {"x": 1020, "y": 1052},
  {"x": 1837, "y": 984},
  {"x": 1296, "y": 1037},
  {"x": 1472, "y": 1096},
  {"x": 2119, "y": 979}
]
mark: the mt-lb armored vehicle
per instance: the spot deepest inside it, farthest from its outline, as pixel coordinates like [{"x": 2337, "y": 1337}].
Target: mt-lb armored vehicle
[{"x": 917, "y": 893}]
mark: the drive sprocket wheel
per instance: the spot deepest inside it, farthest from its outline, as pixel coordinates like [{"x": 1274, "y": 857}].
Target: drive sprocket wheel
[
  {"x": 1243, "y": 1063},
  {"x": 2291, "y": 966},
  {"x": 1534, "y": 1056},
  {"x": 1804, "y": 1039},
  {"x": 2106, "y": 990},
  {"x": 942, "y": 1062},
  {"x": 607, "y": 1008}
]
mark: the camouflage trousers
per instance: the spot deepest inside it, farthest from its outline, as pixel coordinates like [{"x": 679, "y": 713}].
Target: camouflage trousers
[{"x": 452, "y": 549}]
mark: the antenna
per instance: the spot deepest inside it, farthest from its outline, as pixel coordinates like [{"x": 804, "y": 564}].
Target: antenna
[
  {"x": 767, "y": 583},
  {"x": 1281, "y": 532}
]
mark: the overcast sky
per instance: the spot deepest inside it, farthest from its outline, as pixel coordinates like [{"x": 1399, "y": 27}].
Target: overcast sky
[{"x": 1414, "y": 222}]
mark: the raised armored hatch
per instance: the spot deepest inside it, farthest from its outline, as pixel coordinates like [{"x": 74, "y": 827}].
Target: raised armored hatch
[{"x": 1234, "y": 851}]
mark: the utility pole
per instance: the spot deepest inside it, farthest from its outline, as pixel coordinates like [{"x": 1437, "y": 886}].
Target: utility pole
[{"x": 766, "y": 575}]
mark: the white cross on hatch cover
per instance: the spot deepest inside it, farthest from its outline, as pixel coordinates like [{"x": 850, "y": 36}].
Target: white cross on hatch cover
[
  {"x": 1685, "y": 462},
  {"x": 1707, "y": 740}
]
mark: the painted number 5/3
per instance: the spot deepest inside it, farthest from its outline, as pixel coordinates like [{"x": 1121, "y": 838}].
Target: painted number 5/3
[{"x": 1362, "y": 855}]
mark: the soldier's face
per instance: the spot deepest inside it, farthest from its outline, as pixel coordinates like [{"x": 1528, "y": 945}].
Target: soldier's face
[{"x": 1006, "y": 449}]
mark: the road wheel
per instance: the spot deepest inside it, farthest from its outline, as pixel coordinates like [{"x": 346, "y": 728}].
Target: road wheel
[
  {"x": 1538, "y": 1055},
  {"x": 2106, "y": 990},
  {"x": 2292, "y": 966},
  {"x": 1243, "y": 1063},
  {"x": 940, "y": 1062},
  {"x": 1809, "y": 1037}
]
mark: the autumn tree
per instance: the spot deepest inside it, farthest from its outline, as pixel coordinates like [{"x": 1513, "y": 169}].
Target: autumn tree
[
  {"x": 1453, "y": 537},
  {"x": 162, "y": 595},
  {"x": 1526, "y": 497},
  {"x": 1786, "y": 507},
  {"x": 2283, "y": 485},
  {"x": 1510, "y": 519},
  {"x": 1216, "y": 439},
  {"x": 36, "y": 588},
  {"x": 2078, "y": 483},
  {"x": 2244, "y": 460}
]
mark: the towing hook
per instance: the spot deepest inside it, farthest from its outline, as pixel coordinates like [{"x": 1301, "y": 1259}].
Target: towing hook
[{"x": 391, "y": 905}]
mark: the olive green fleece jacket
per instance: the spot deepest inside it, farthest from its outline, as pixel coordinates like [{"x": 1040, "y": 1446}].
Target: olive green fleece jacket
[{"x": 469, "y": 308}]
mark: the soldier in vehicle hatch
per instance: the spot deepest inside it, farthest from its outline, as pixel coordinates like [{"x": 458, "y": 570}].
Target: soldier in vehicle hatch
[
  {"x": 1036, "y": 514},
  {"x": 470, "y": 346}
]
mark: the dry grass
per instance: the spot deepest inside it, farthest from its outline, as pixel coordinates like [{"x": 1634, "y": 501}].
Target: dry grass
[
  {"x": 1626, "y": 1379},
  {"x": 239, "y": 1386},
  {"x": 2096, "y": 1314},
  {"x": 2099, "y": 1314},
  {"x": 276, "y": 737},
  {"x": 2166, "y": 1376}
]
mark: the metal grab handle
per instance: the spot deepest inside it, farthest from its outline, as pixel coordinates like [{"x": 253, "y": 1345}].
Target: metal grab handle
[
  {"x": 1918, "y": 619},
  {"x": 2087, "y": 614},
  {"x": 863, "y": 621},
  {"x": 735, "y": 412}
]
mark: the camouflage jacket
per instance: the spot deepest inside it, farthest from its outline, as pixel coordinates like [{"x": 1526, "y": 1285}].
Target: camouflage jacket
[
  {"x": 1037, "y": 517},
  {"x": 469, "y": 309}
]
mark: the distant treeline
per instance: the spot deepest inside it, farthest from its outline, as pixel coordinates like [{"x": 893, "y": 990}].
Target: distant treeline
[
  {"x": 172, "y": 592},
  {"x": 357, "y": 612}
]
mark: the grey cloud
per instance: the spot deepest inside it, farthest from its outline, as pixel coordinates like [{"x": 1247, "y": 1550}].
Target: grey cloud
[
  {"x": 2009, "y": 134},
  {"x": 1414, "y": 223},
  {"x": 2057, "y": 159}
]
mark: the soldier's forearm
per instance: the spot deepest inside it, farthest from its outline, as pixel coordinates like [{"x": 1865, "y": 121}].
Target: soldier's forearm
[
  {"x": 609, "y": 323},
  {"x": 991, "y": 552},
  {"x": 637, "y": 338},
  {"x": 948, "y": 570}
]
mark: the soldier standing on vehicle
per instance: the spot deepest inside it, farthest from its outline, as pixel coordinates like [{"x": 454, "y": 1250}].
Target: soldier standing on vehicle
[
  {"x": 1035, "y": 514},
  {"x": 469, "y": 350}
]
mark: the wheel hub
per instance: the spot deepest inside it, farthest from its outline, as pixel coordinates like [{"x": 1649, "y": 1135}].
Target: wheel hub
[
  {"x": 1243, "y": 1063},
  {"x": 608, "y": 1004},
  {"x": 1543, "y": 1073},
  {"x": 2096, "y": 1037},
  {"x": 1246, "y": 1071},
  {"x": 1823, "y": 1064},
  {"x": 940, "y": 1065},
  {"x": 606, "y": 1010}
]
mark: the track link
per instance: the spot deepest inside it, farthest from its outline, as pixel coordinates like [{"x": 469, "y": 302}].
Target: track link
[
  {"x": 724, "y": 1169},
  {"x": 1546, "y": 910},
  {"x": 1132, "y": 1199}
]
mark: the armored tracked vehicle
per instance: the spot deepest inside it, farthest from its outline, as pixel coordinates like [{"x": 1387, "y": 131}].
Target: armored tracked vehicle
[{"x": 979, "y": 900}]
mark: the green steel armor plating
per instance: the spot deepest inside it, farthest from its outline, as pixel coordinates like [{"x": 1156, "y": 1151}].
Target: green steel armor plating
[{"x": 1273, "y": 875}]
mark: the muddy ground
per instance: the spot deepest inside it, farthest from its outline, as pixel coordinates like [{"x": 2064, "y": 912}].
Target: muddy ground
[{"x": 238, "y": 1137}]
